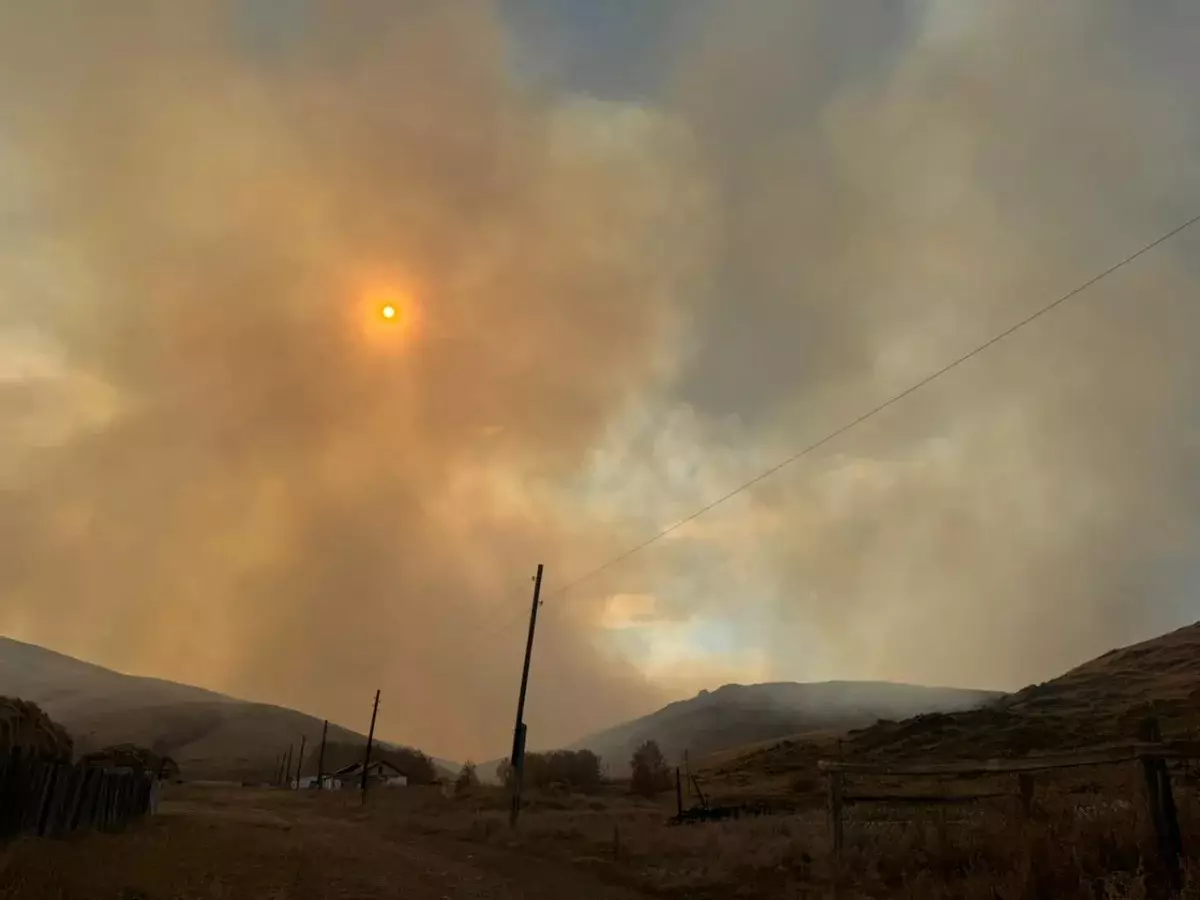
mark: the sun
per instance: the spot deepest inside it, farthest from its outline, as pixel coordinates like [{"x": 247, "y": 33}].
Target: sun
[{"x": 388, "y": 316}]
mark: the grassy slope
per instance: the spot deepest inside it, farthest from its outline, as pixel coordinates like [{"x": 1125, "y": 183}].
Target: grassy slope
[
  {"x": 1099, "y": 701},
  {"x": 210, "y": 735},
  {"x": 737, "y": 715}
]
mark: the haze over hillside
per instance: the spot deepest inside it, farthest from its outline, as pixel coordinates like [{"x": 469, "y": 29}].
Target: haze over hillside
[
  {"x": 1103, "y": 700},
  {"x": 208, "y": 734},
  {"x": 214, "y": 736},
  {"x": 735, "y": 715}
]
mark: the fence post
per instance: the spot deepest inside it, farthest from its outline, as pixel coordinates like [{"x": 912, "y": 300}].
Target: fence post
[
  {"x": 836, "y": 785},
  {"x": 1160, "y": 802},
  {"x": 47, "y": 804},
  {"x": 104, "y": 803},
  {"x": 678, "y": 795},
  {"x": 66, "y": 810},
  {"x": 6, "y": 804},
  {"x": 86, "y": 779}
]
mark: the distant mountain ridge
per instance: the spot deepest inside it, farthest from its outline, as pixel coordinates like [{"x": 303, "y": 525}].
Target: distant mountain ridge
[
  {"x": 210, "y": 735},
  {"x": 737, "y": 715}
]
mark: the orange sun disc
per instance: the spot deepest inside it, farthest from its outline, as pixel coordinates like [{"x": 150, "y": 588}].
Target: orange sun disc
[{"x": 389, "y": 317}]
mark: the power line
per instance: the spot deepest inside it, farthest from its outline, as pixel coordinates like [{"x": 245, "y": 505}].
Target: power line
[
  {"x": 928, "y": 379},
  {"x": 490, "y": 623}
]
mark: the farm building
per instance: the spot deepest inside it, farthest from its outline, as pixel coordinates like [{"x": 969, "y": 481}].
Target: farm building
[{"x": 380, "y": 772}]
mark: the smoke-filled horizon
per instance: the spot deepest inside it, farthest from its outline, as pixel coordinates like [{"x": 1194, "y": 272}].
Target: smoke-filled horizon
[{"x": 624, "y": 281}]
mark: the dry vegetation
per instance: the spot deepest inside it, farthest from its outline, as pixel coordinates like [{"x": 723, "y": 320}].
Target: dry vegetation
[{"x": 1087, "y": 839}]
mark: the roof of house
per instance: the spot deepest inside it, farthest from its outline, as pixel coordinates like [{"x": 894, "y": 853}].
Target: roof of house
[{"x": 376, "y": 767}]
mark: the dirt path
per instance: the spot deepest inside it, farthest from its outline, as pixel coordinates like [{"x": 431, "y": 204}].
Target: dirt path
[{"x": 248, "y": 845}]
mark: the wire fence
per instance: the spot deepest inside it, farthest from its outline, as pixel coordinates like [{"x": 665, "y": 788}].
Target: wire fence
[{"x": 54, "y": 799}]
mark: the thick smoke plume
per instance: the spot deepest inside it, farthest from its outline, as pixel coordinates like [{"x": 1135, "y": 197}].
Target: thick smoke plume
[
  {"x": 221, "y": 464},
  {"x": 254, "y": 481}
]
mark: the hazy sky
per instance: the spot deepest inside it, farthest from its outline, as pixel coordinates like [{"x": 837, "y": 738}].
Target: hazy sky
[{"x": 640, "y": 253}]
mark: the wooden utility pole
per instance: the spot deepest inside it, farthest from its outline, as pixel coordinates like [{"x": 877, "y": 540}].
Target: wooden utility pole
[
  {"x": 370, "y": 740},
  {"x": 517, "y": 760},
  {"x": 287, "y": 767},
  {"x": 300, "y": 759},
  {"x": 687, "y": 773},
  {"x": 321, "y": 757}
]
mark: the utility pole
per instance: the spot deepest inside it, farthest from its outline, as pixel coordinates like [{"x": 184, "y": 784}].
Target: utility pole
[
  {"x": 287, "y": 768},
  {"x": 300, "y": 759},
  {"x": 687, "y": 771},
  {"x": 370, "y": 739},
  {"x": 517, "y": 760},
  {"x": 321, "y": 758}
]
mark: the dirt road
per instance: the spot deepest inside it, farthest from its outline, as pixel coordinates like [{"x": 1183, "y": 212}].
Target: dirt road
[{"x": 247, "y": 844}]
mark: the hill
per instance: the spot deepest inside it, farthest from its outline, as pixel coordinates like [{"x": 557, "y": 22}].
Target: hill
[
  {"x": 210, "y": 735},
  {"x": 1100, "y": 701},
  {"x": 737, "y": 715}
]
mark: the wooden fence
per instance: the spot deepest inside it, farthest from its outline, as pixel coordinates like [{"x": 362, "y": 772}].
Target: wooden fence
[
  {"x": 55, "y": 799},
  {"x": 1151, "y": 756}
]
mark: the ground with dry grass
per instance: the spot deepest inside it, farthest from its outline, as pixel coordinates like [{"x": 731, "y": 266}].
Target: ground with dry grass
[
  {"x": 230, "y": 843},
  {"x": 1087, "y": 838}
]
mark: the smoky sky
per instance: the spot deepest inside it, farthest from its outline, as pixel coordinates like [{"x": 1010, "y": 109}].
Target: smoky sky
[{"x": 221, "y": 465}]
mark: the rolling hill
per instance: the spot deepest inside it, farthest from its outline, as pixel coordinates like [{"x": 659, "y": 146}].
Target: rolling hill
[
  {"x": 1101, "y": 700},
  {"x": 737, "y": 715},
  {"x": 1097, "y": 702},
  {"x": 210, "y": 735}
]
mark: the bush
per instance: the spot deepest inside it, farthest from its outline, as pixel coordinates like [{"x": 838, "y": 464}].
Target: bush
[
  {"x": 467, "y": 778},
  {"x": 577, "y": 770},
  {"x": 650, "y": 772},
  {"x": 504, "y": 772}
]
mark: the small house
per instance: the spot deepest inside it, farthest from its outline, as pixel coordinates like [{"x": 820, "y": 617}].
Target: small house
[{"x": 380, "y": 772}]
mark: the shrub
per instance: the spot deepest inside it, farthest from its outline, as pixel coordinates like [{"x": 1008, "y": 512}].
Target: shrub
[
  {"x": 577, "y": 770},
  {"x": 650, "y": 773},
  {"x": 467, "y": 778}
]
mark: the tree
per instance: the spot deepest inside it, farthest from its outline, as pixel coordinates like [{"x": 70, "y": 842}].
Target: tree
[
  {"x": 650, "y": 773},
  {"x": 467, "y": 778},
  {"x": 575, "y": 770}
]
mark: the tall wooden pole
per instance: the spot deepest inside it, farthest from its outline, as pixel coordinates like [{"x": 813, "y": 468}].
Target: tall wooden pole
[
  {"x": 518, "y": 752},
  {"x": 321, "y": 757},
  {"x": 287, "y": 767},
  {"x": 300, "y": 759},
  {"x": 370, "y": 740},
  {"x": 678, "y": 795}
]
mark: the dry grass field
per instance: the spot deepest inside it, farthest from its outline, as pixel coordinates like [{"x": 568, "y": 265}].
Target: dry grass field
[{"x": 1087, "y": 839}]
